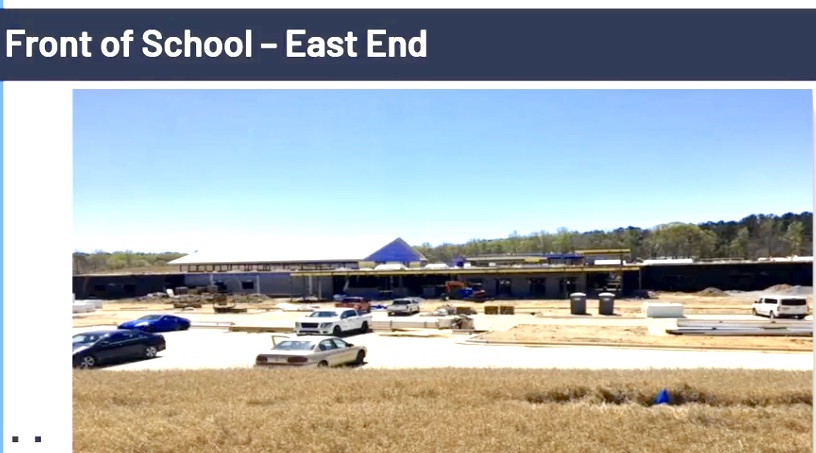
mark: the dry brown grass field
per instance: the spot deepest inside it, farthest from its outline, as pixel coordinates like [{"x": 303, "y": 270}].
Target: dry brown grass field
[
  {"x": 640, "y": 336},
  {"x": 441, "y": 410}
]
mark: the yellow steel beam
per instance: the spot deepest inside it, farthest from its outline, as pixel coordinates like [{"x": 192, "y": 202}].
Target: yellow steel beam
[
  {"x": 602, "y": 251},
  {"x": 470, "y": 271}
]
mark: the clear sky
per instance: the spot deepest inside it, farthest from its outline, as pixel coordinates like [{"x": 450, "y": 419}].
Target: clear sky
[{"x": 178, "y": 169}]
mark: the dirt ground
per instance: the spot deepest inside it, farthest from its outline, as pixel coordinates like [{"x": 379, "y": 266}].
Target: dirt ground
[
  {"x": 450, "y": 410},
  {"x": 638, "y": 336},
  {"x": 114, "y": 312},
  {"x": 570, "y": 329},
  {"x": 702, "y": 303}
]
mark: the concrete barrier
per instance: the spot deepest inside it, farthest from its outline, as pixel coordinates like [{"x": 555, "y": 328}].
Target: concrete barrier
[
  {"x": 412, "y": 323},
  {"x": 84, "y": 307},
  {"x": 662, "y": 310},
  {"x": 212, "y": 324},
  {"x": 261, "y": 329},
  {"x": 747, "y": 323}
]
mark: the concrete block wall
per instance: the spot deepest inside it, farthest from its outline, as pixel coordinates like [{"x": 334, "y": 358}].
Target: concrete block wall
[
  {"x": 312, "y": 286},
  {"x": 521, "y": 286},
  {"x": 281, "y": 283},
  {"x": 278, "y": 283}
]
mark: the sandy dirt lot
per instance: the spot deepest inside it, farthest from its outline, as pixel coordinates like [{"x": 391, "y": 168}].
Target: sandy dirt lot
[
  {"x": 118, "y": 311},
  {"x": 537, "y": 321},
  {"x": 705, "y": 302},
  {"x": 206, "y": 348},
  {"x": 638, "y": 336}
]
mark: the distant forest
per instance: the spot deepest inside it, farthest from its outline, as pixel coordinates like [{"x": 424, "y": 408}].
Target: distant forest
[{"x": 753, "y": 237}]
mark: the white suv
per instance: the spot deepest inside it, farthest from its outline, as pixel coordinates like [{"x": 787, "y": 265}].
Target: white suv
[{"x": 781, "y": 307}]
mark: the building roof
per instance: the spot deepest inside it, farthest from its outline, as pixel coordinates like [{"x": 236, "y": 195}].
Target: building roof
[
  {"x": 299, "y": 250},
  {"x": 396, "y": 251}
]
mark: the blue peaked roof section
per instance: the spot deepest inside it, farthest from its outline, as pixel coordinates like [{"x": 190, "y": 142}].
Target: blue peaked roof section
[{"x": 397, "y": 251}]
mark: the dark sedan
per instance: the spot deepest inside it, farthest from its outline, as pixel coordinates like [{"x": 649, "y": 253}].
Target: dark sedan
[
  {"x": 92, "y": 349},
  {"x": 157, "y": 323}
]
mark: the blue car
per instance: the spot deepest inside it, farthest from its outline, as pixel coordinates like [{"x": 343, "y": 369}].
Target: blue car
[{"x": 157, "y": 323}]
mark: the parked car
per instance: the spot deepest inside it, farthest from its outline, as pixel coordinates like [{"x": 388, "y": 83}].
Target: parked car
[
  {"x": 312, "y": 351},
  {"x": 92, "y": 349},
  {"x": 333, "y": 321},
  {"x": 360, "y": 304},
  {"x": 404, "y": 306},
  {"x": 781, "y": 307},
  {"x": 157, "y": 323}
]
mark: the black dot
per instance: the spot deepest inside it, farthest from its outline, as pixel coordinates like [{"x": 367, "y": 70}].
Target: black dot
[
  {"x": 37, "y": 439},
  {"x": 15, "y": 439}
]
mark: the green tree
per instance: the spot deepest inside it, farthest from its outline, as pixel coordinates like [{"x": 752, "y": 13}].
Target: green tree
[
  {"x": 795, "y": 236},
  {"x": 749, "y": 237},
  {"x": 564, "y": 241},
  {"x": 739, "y": 246},
  {"x": 768, "y": 236}
]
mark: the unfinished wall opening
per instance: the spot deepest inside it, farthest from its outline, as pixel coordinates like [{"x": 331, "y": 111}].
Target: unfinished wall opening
[
  {"x": 597, "y": 282},
  {"x": 674, "y": 282},
  {"x": 743, "y": 281},
  {"x": 538, "y": 287},
  {"x": 571, "y": 284},
  {"x": 504, "y": 288},
  {"x": 247, "y": 285},
  {"x": 566, "y": 286}
]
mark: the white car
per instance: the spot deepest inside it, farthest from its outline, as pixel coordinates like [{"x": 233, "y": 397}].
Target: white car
[
  {"x": 311, "y": 352},
  {"x": 781, "y": 307},
  {"x": 404, "y": 306},
  {"x": 333, "y": 321}
]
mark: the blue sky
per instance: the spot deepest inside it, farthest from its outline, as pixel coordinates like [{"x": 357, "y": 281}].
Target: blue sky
[{"x": 175, "y": 169}]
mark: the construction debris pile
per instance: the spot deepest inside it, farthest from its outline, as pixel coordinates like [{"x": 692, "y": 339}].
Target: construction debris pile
[
  {"x": 712, "y": 292},
  {"x": 450, "y": 310},
  {"x": 284, "y": 306},
  {"x": 189, "y": 298},
  {"x": 788, "y": 290},
  {"x": 462, "y": 322},
  {"x": 153, "y": 296}
]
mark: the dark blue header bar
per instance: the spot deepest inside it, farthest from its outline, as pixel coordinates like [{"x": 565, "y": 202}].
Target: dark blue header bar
[{"x": 728, "y": 45}]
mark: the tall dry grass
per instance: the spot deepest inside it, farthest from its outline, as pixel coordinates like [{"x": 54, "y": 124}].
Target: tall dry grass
[{"x": 441, "y": 410}]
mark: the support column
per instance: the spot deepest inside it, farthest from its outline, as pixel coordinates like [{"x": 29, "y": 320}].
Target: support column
[
  {"x": 581, "y": 283},
  {"x": 551, "y": 288}
]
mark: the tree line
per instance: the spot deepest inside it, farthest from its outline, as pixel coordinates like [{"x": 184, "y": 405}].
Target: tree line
[
  {"x": 753, "y": 237},
  {"x": 100, "y": 261}
]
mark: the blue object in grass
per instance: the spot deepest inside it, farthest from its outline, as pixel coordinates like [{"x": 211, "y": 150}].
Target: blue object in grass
[{"x": 662, "y": 397}]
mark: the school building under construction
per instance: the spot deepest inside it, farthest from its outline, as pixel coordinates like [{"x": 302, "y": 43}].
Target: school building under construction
[{"x": 396, "y": 269}]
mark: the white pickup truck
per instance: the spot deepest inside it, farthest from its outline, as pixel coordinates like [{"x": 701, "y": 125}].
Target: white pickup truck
[{"x": 333, "y": 321}]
